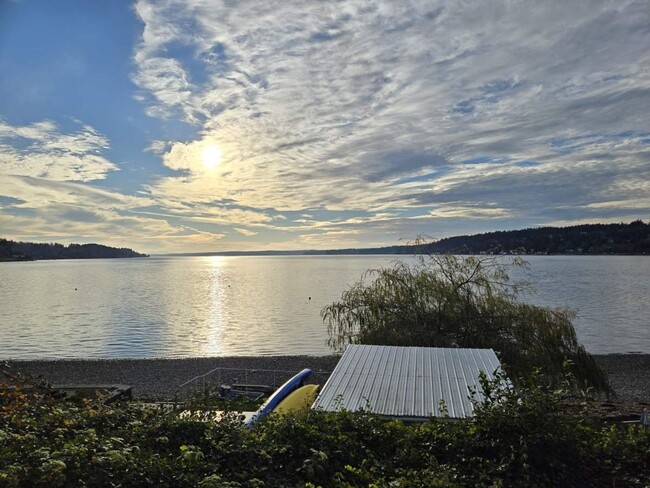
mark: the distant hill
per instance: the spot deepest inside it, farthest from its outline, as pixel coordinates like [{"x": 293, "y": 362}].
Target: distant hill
[
  {"x": 29, "y": 251},
  {"x": 632, "y": 238}
]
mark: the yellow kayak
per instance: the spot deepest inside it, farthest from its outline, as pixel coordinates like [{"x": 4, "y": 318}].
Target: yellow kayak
[{"x": 298, "y": 400}]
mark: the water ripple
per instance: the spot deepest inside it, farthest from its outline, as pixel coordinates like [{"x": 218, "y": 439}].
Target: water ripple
[{"x": 216, "y": 306}]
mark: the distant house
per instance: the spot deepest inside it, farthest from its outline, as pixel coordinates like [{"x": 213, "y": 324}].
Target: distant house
[{"x": 409, "y": 383}]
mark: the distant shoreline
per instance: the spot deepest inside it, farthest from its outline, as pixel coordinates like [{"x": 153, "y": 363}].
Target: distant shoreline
[
  {"x": 336, "y": 253},
  {"x": 30, "y": 259},
  {"x": 297, "y": 254},
  {"x": 588, "y": 239},
  {"x": 621, "y": 239},
  {"x": 159, "y": 378}
]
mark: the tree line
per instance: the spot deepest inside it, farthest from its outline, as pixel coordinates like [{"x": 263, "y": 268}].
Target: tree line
[
  {"x": 632, "y": 238},
  {"x": 28, "y": 251}
]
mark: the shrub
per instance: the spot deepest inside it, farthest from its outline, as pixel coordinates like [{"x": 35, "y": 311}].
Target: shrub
[{"x": 517, "y": 438}]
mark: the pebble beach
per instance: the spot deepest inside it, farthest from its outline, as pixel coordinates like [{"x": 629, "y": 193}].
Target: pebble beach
[{"x": 161, "y": 379}]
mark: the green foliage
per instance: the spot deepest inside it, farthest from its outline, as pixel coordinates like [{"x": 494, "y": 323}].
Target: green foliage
[
  {"x": 209, "y": 398},
  {"x": 455, "y": 301},
  {"x": 517, "y": 438}
]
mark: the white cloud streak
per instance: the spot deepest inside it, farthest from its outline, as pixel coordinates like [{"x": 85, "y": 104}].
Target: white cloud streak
[
  {"x": 246, "y": 232},
  {"x": 41, "y": 150},
  {"x": 376, "y": 106}
]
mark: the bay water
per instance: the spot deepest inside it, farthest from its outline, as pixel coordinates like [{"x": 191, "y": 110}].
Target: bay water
[{"x": 265, "y": 305}]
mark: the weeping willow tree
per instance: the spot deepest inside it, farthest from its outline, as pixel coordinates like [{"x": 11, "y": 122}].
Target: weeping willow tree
[{"x": 453, "y": 301}]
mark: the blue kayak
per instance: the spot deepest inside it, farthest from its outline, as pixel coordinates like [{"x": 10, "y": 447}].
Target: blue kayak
[{"x": 279, "y": 395}]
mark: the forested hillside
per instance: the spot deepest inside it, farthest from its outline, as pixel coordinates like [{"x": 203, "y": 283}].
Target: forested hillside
[
  {"x": 27, "y": 251},
  {"x": 633, "y": 238}
]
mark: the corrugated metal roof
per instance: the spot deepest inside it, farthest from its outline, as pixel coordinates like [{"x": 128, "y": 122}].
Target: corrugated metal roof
[{"x": 407, "y": 382}]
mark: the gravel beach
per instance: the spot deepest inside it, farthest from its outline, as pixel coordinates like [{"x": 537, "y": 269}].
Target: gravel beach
[{"x": 160, "y": 379}]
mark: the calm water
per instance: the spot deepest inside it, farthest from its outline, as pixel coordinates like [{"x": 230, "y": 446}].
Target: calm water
[{"x": 219, "y": 306}]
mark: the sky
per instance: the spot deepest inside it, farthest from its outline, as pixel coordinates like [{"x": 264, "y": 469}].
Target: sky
[{"x": 204, "y": 125}]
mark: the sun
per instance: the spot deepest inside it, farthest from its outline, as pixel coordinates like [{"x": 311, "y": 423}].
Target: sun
[{"x": 211, "y": 157}]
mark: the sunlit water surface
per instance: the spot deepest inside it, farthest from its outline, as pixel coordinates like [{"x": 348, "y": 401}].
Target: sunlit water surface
[{"x": 223, "y": 306}]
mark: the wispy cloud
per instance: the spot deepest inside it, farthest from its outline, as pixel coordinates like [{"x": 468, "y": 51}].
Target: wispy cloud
[
  {"x": 376, "y": 106},
  {"x": 469, "y": 212},
  {"x": 42, "y": 150},
  {"x": 112, "y": 226},
  {"x": 158, "y": 147},
  {"x": 246, "y": 232}
]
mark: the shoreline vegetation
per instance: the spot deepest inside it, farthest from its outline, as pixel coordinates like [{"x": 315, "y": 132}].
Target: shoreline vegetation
[
  {"x": 159, "y": 378},
  {"x": 531, "y": 436},
  {"x": 32, "y": 251}
]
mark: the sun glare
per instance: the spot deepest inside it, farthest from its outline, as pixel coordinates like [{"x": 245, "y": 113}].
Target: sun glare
[{"x": 211, "y": 157}]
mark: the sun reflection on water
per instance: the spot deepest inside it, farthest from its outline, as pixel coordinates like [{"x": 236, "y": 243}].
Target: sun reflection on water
[{"x": 216, "y": 319}]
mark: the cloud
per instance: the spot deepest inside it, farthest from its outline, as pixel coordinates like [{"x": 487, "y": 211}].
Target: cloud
[
  {"x": 38, "y": 193},
  {"x": 110, "y": 227},
  {"x": 158, "y": 147},
  {"x": 366, "y": 122},
  {"x": 246, "y": 232},
  {"x": 639, "y": 203},
  {"x": 375, "y": 107},
  {"x": 469, "y": 212},
  {"x": 42, "y": 150},
  {"x": 213, "y": 212},
  {"x": 329, "y": 239},
  {"x": 167, "y": 81}
]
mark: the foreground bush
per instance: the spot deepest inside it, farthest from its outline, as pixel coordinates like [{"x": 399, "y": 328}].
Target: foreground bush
[
  {"x": 516, "y": 439},
  {"x": 455, "y": 301}
]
